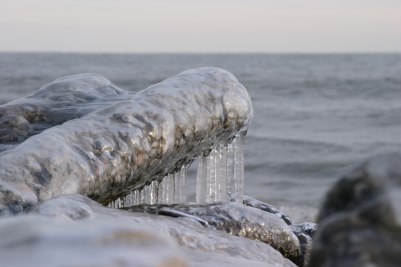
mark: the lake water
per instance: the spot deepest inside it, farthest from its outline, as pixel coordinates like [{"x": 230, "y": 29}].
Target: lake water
[{"x": 315, "y": 115}]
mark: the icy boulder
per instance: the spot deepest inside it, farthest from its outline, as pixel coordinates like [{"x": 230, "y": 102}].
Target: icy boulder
[
  {"x": 235, "y": 219},
  {"x": 104, "y": 142},
  {"x": 360, "y": 220},
  {"x": 73, "y": 230}
]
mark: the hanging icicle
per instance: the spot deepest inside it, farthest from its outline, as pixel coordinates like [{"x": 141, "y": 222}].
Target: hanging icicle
[{"x": 220, "y": 175}]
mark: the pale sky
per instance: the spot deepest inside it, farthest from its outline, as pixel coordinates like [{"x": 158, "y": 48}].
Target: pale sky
[{"x": 200, "y": 25}]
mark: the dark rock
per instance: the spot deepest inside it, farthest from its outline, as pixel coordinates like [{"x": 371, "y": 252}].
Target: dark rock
[
  {"x": 307, "y": 228},
  {"x": 360, "y": 220},
  {"x": 306, "y": 249},
  {"x": 304, "y": 232}
]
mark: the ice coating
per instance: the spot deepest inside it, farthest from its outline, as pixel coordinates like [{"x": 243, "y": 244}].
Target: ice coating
[
  {"x": 249, "y": 201},
  {"x": 235, "y": 219},
  {"x": 79, "y": 216},
  {"x": 64, "y": 99},
  {"x": 126, "y": 142}
]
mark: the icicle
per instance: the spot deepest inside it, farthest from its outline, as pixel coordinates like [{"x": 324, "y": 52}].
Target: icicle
[
  {"x": 239, "y": 167},
  {"x": 177, "y": 189},
  {"x": 142, "y": 196},
  {"x": 183, "y": 185},
  {"x": 201, "y": 181},
  {"x": 170, "y": 188},
  {"x": 127, "y": 200},
  {"x": 221, "y": 168},
  {"x": 146, "y": 194},
  {"x": 230, "y": 170},
  {"x": 220, "y": 177},
  {"x": 136, "y": 197},
  {"x": 163, "y": 191},
  {"x": 211, "y": 177},
  {"x": 153, "y": 193}
]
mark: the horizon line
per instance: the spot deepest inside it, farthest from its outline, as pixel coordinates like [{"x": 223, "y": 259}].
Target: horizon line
[{"x": 201, "y": 52}]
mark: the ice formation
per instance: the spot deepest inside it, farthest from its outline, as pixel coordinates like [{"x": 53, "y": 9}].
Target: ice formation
[
  {"x": 111, "y": 142},
  {"x": 171, "y": 189},
  {"x": 220, "y": 177}
]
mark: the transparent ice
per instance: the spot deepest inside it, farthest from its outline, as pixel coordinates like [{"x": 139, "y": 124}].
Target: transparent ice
[{"x": 220, "y": 177}]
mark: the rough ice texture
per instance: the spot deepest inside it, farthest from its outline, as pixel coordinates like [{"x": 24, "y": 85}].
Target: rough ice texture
[
  {"x": 359, "y": 222},
  {"x": 73, "y": 230},
  {"x": 238, "y": 220},
  {"x": 119, "y": 141},
  {"x": 64, "y": 99}
]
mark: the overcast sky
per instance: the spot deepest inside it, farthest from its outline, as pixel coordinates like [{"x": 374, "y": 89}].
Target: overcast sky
[{"x": 200, "y": 25}]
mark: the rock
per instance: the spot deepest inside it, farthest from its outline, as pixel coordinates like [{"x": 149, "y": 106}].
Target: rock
[
  {"x": 235, "y": 219},
  {"x": 307, "y": 228},
  {"x": 62, "y": 100},
  {"x": 360, "y": 219},
  {"x": 119, "y": 141},
  {"x": 304, "y": 232},
  {"x": 306, "y": 249},
  {"x": 38, "y": 241},
  {"x": 73, "y": 227},
  {"x": 250, "y": 201}
]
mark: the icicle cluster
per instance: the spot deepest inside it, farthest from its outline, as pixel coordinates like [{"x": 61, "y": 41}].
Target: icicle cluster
[
  {"x": 172, "y": 189},
  {"x": 220, "y": 174},
  {"x": 220, "y": 177}
]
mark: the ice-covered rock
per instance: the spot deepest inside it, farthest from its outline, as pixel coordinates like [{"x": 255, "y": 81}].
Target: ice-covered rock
[
  {"x": 73, "y": 230},
  {"x": 360, "y": 220},
  {"x": 252, "y": 202},
  {"x": 62, "y": 100},
  {"x": 235, "y": 219},
  {"x": 104, "y": 142}
]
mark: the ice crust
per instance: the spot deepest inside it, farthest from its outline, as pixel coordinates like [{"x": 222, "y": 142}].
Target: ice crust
[
  {"x": 73, "y": 230},
  {"x": 115, "y": 143}
]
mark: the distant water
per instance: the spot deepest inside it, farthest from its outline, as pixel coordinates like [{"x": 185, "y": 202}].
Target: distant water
[{"x": 315, "y": 115}]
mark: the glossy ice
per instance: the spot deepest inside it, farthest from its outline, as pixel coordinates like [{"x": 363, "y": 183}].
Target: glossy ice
[
  {"x": 73, "y": 230},
  {"x": 220, "y": 177},
  {"x": 121, "y": 143},
  {"x": 220, "y": 174}
]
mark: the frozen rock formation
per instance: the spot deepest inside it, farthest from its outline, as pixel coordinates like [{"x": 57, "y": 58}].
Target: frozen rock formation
[
  {"x": 238, "y": 220},
  {"x": 62, "y": 100},
  {"x": 360, "y": 220},
  {"x": 84, "y": 136},
  {"x": 119, "y": 141},
  {"x": 73, "y": 230}
]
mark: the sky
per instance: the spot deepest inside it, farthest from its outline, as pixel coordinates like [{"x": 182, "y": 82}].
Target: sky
[{"x": 201, "y": 26}]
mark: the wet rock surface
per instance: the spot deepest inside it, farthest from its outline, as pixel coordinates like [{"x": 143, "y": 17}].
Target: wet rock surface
[
  {"x": 360, "y": 220},
  {"x": 117, "y": 141}
]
